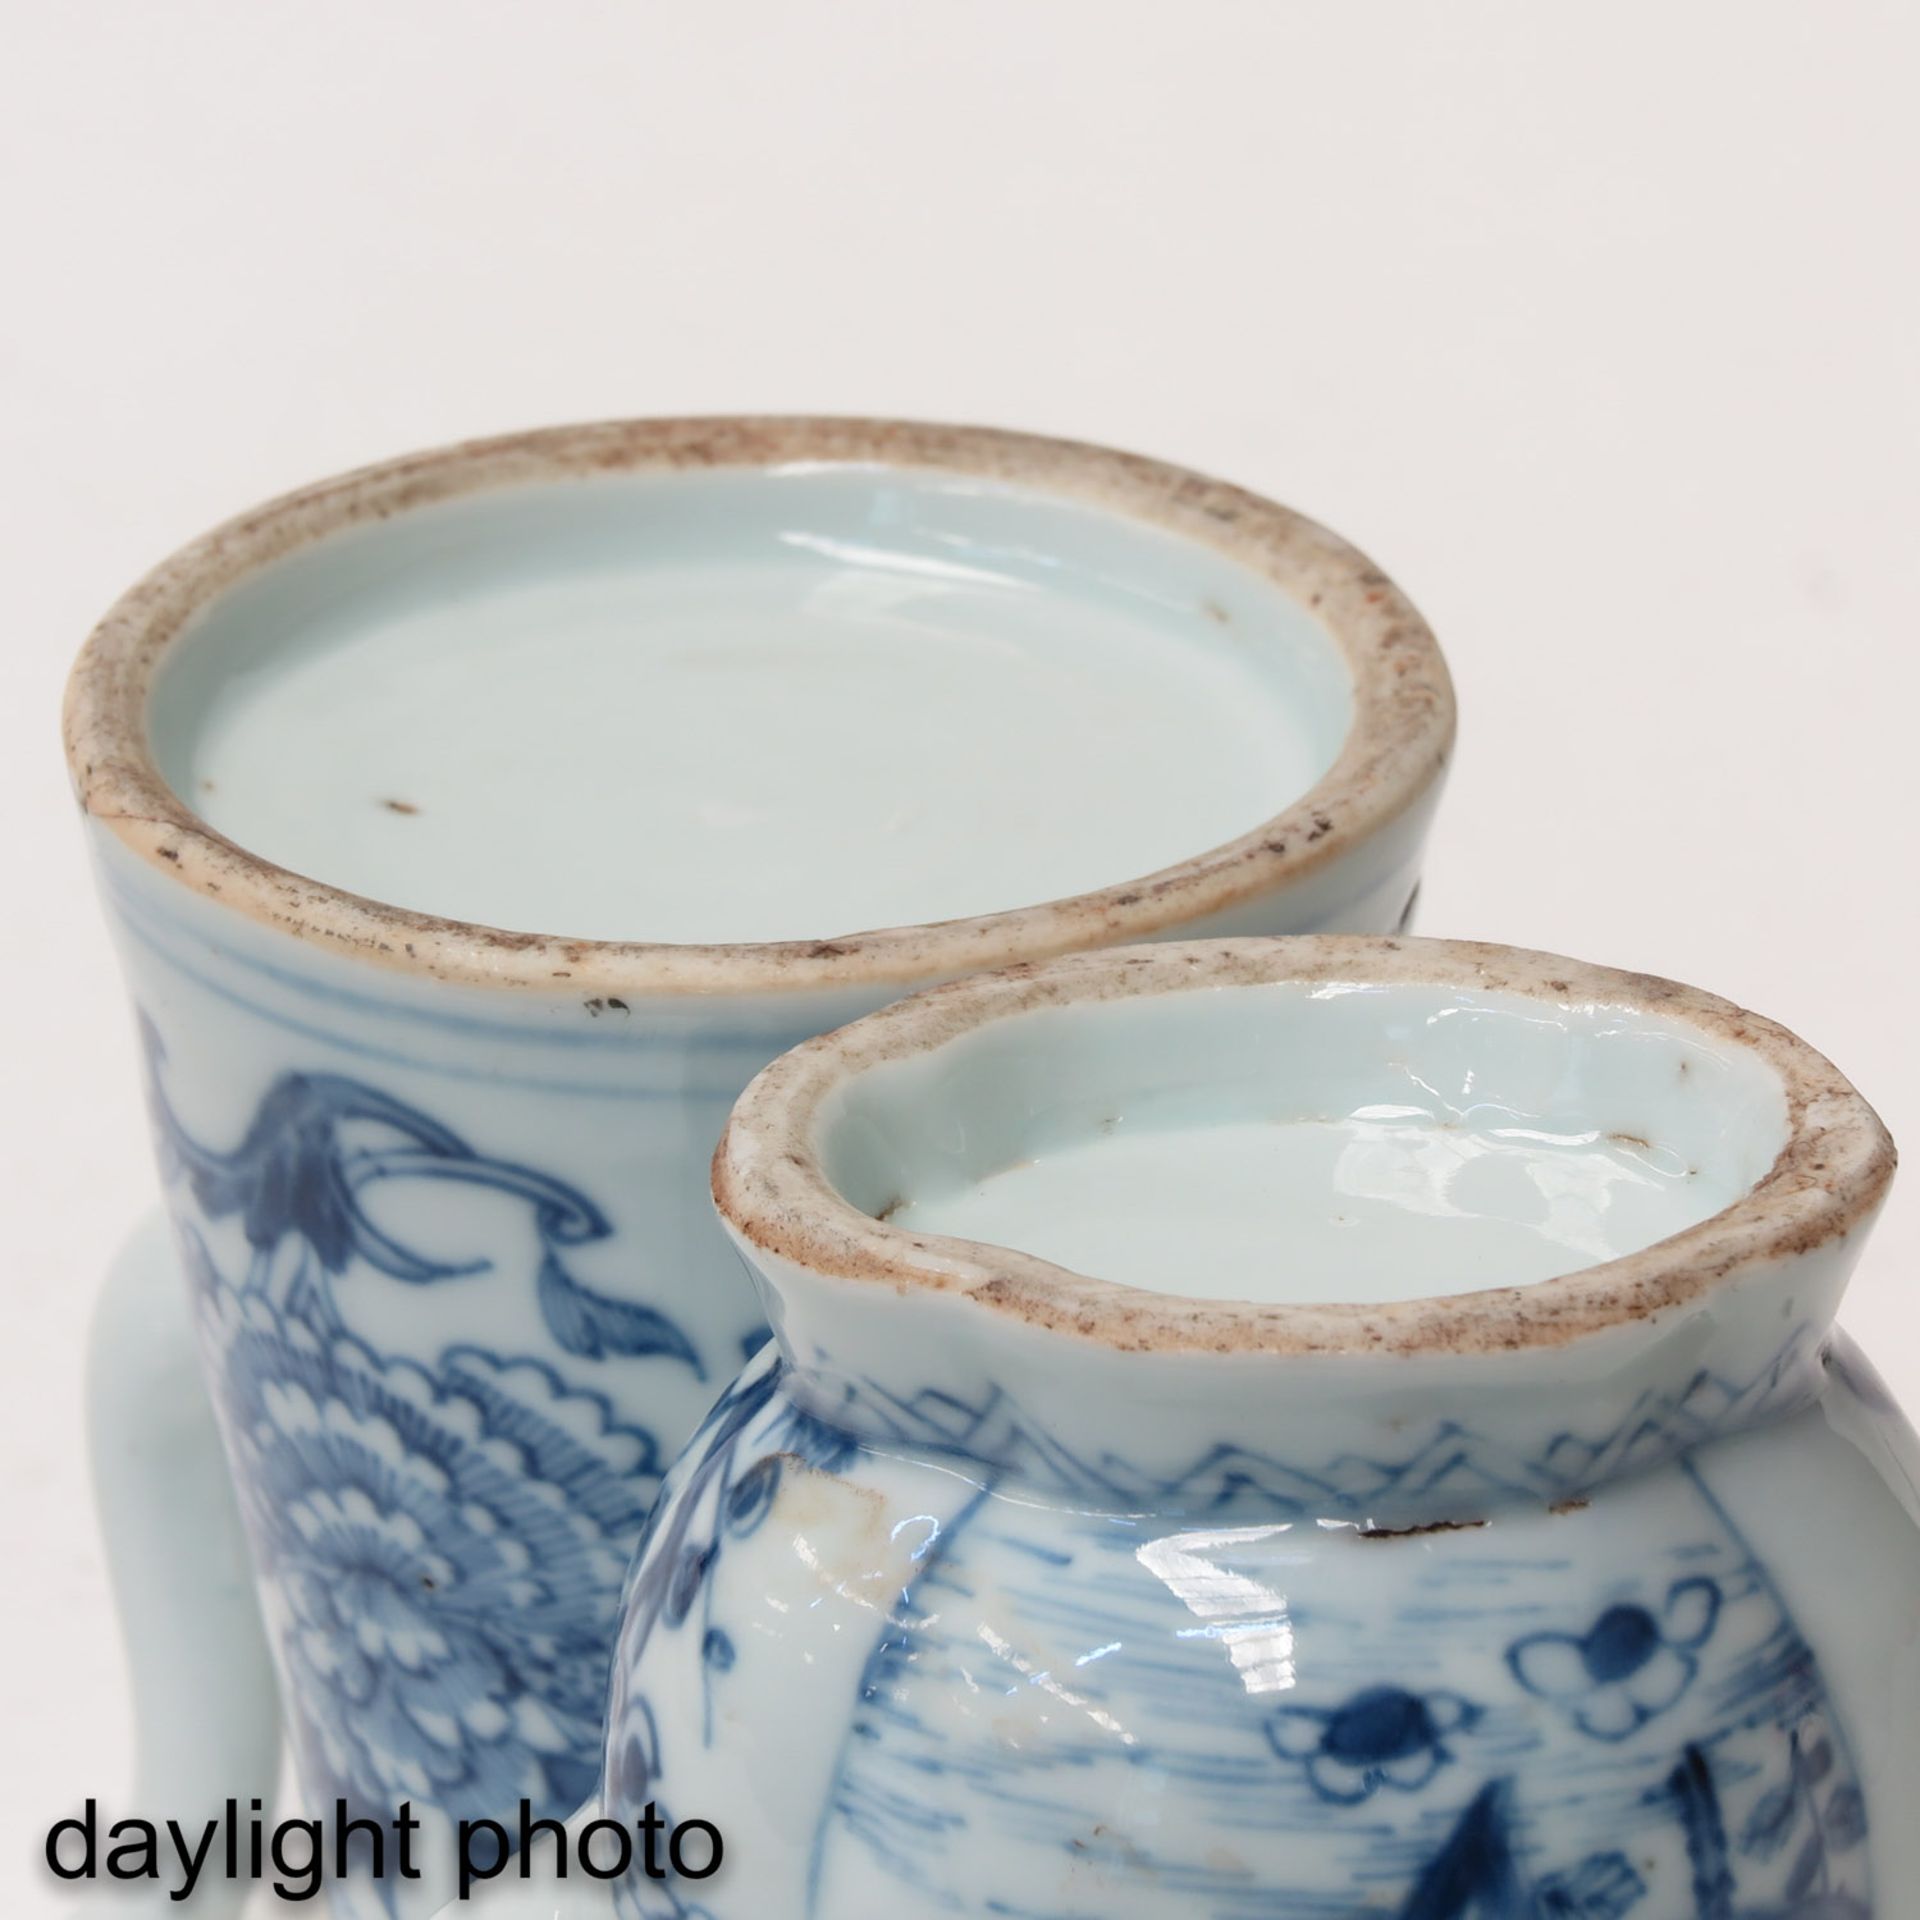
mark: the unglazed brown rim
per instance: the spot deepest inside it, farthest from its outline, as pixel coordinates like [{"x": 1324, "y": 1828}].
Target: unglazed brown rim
[
  {"x": 770, "y": 1188},
  {"x": 1395, "y": 750}
]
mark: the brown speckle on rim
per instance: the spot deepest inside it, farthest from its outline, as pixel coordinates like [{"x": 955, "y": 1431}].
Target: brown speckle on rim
[
  {"x": 1393, "y": 756},
  {"x": 399, "y": 806}
]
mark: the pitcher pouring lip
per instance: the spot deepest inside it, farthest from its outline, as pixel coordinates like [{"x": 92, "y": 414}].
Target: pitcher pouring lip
[{"x": 1409, "y": 1406}]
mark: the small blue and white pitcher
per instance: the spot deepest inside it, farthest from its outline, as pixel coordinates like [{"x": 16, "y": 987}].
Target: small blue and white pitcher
[{"x": 1277, "y": 1429}]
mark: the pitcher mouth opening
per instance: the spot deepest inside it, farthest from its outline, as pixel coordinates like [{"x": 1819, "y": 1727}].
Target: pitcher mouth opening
[
  {"x": 1661, "y": 1141},
  {"x": 1390, "y": 758}
]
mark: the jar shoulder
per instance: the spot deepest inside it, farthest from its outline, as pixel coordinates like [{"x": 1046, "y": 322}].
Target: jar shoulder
[{"x": 859, "y": 1656}]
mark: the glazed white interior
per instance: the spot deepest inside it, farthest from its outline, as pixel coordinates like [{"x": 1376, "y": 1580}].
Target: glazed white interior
[
  {"x": 746, "y": 704},
  {"x": 1299, "y": 1143}
]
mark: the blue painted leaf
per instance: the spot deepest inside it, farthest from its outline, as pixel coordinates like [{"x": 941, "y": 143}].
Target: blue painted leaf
[
  {"x": 1846, "y": 1817},
  {"x": 1473, "y": 1873},
  {"x": 1770, "y": 1824},
  {"x": 633, "y": 1764},
  {"x": 594, "y": 1326},
  {"x": 688, "y": 1574},
  {"x": 1816, "y": 1762},
  {"x": 751, "y": 1496},
  {"x": 1809, "y": 1864}
]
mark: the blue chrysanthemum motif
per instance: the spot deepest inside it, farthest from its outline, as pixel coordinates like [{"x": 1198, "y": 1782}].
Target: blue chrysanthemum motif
[
  {"x": 1629, "y": 1667},
  {"x": 1382, "y": 1737},
  {"x": 441, "y": 1558},
  {"x": 440, "y": 1546}
]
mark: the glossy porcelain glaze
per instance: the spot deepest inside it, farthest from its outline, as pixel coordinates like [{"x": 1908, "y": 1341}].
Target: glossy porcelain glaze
[
  {"x": 439, "y": 1186},
  {"x": 1331, "y": 1142},
  {"x": 737, "y": 706},
  {"x": 997, "y": 1588}
]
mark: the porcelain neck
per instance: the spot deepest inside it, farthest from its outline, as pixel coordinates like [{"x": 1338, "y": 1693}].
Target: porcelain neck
[{"x": 1388, "y": 1166}]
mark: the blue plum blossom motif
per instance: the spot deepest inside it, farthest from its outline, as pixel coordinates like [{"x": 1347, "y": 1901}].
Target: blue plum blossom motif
[
  {"x": 1629, "y": 1667},
  {"x": 1382, "y": 1737}
]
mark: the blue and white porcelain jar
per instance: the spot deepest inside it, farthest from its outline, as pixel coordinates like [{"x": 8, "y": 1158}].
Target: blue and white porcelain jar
[
  {"x": 474, "y": 827},
  {"x": 1291, "y": 1428}
]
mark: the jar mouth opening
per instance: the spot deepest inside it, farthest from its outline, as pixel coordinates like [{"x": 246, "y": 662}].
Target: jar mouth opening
[
  {"x": 1310, "y": 1144},
  {"x": 1390, "y": 755}
]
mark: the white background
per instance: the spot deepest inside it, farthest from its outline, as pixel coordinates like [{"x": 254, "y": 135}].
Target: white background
[{"x": 1596, "y": 327}]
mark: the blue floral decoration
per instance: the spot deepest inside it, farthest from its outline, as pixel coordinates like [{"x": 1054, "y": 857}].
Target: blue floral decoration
[
  {"x": 1382, "y": 1737},
  {"x": 317, "y": 1141},
  {"x": 440, "y": 1546},
  {"x": 721, "y": 1493},
  {"x": 440, "y": 1557},
  {"x": 1628, "y": 1667}
]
